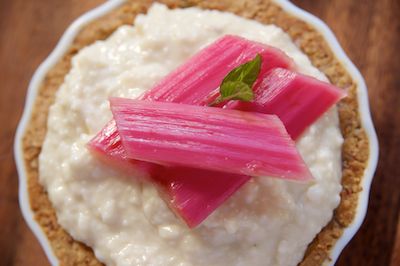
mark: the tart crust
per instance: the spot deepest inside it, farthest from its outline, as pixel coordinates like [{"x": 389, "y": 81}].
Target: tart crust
[{"x": 355, "y": 151}]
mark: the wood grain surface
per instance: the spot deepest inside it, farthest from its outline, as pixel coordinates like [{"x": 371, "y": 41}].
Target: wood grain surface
[{"x": 369, "y": 32}]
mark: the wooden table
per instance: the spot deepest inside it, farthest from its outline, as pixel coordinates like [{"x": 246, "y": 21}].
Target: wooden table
[{"x": 369, "y": 32}]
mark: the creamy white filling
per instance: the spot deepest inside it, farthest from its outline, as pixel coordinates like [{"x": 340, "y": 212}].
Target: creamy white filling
[{"x": 267, "y": 222}]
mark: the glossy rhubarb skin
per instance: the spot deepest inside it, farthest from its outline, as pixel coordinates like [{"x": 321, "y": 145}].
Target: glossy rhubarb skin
[
  {"x": 208, "y": 138},
  {"x": 298, "y": 100},
  {"x": 196, "y": 81}
]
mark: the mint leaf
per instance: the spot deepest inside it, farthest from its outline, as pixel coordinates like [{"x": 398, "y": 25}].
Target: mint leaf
[
  {"x": 247, "y": 72},
  {"x": 237, "y": 85},
  {"x": 236, "y": 90}
]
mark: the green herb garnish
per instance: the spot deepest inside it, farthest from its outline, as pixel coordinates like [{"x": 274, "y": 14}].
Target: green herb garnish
[{"x": 237, "y": 85}]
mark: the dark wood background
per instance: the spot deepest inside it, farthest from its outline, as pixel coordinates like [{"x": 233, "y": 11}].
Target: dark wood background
[{"x": 369, "y": 32}]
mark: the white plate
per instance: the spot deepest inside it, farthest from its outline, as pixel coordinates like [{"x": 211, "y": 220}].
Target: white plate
[{"x": 69, "y": 36}]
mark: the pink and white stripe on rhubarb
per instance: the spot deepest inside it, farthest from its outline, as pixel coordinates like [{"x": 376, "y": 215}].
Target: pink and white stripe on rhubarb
[{"x": 208, "y": 138}]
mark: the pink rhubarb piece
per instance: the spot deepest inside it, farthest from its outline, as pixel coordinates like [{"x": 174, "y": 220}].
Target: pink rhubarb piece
[
  {"x": 207, "y": 138},
  {"x": 298, "y": 100},
  {"x": 198, "y": 79}
]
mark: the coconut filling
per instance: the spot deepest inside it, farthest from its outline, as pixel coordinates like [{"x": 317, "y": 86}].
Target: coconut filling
[{"x": 267, "y": 222}]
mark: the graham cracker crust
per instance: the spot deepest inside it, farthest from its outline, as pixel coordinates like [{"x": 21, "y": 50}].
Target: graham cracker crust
[{"x": 355, "y": 151}]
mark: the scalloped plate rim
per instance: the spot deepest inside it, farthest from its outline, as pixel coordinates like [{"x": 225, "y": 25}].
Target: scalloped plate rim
[{"x": 101, "y": 10}]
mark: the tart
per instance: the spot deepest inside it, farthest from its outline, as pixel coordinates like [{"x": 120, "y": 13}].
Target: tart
[{"x": 355, "y": 151}]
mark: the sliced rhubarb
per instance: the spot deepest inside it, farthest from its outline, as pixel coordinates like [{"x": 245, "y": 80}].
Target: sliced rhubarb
[
  {"x": 298, "y": 100},
  {"x": 195, "y": 80},
  {"x": 226, "y": 53},
  {"x": 207, "y": 138}
]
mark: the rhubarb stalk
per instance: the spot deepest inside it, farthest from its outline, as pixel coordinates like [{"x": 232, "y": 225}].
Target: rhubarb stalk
[{"x": 208, "y": 138}]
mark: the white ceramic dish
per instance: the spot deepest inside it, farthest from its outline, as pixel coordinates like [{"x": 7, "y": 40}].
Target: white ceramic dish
[{"x": 73, "y": 30}]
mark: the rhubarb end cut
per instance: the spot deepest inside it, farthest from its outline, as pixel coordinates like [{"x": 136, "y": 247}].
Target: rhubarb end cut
[
  {"x": 107, "y": 147},
  {"x": 298, "y": 100}
]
